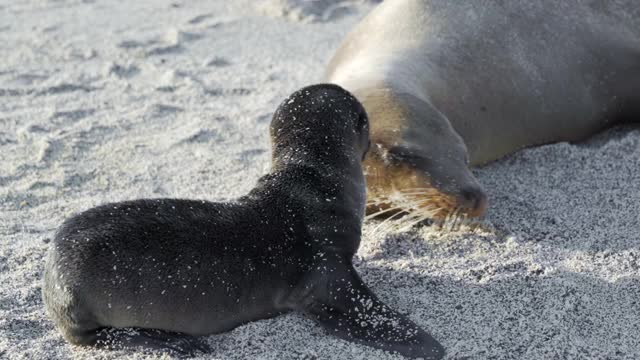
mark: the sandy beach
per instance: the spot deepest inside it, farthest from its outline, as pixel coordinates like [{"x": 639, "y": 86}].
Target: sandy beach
[{"x": 103, "y": 101}]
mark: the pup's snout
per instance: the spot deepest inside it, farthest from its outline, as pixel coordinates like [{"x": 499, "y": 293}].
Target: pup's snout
[{"x": 473, "y": 201}]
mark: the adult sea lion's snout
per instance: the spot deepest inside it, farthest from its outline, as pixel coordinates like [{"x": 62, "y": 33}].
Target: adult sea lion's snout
[
  {"x": 417, "y": 165},
  {"x": 473, "y": 201},
  {"x": 421, "y": 188}
]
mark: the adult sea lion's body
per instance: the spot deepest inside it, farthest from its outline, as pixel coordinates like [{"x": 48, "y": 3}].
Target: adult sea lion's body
[
  {"x": 449, "y": 84},
  {"x": 174, "y": 268}
]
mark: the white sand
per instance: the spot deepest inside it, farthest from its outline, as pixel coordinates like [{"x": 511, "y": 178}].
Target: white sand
[{"x": 112, "y": 100}]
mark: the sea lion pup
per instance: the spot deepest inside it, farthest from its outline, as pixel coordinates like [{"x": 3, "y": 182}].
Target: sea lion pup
[
  {"x": 172, "y": 269},
  {"x": 448, "y": 84}
]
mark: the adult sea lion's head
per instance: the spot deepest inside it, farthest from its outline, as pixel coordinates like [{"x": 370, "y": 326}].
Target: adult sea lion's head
[{"x": 417, "y": 164}]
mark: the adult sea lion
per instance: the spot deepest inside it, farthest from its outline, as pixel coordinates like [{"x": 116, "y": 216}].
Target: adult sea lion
[
  {"x": 449, "y": 84},
  {"x": 172, "y": 269}
]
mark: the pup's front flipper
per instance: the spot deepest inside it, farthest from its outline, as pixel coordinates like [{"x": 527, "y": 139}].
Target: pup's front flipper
[
  {"x": 341, "y": 303},
  {"x": 179, "y": 344}
]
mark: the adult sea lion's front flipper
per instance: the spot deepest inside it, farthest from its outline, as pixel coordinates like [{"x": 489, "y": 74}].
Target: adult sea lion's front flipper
[{"x": 341, "y": 303}]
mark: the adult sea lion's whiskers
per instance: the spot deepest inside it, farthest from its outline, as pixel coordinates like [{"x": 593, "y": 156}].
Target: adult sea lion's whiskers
[
  {"x": 417, "y": 189},
  {"x": 414, "y": 210},
  {"x": 452, "y": 221},
  {"x": 419, "y": 220},
  {"x": 419, "y": 214},
  {"x": 386, "y": 221},
  {"x": 464, "y": 219},
  {"x": 418, "y": 193},
  {"x": 456, "y": 219},
  {"x": 378, "y": 213}
]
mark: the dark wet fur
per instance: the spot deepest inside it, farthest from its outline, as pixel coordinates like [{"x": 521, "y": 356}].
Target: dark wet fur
[{"x": 187, "y": 267}]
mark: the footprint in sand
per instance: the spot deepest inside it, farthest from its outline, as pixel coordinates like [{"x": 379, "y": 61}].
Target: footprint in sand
[
  {"x": 161, "y": 110},
  {"x": 49, "y": 150},
  {"x": 36, "y": 185},
  {"x": 228, "y": 91},
  {"x": 5, "y": 139},
  {"x": 61, "y": 89},
  {"x": 207, "y": 21},
  {"x": 4, "y": 266},
  {"x": 15, "y": 92},
  {"x": 121, "y": 71},
  {"x": 310, "y": 11},
  {"x": 28, "y": 79},
  {"x": 76, "y": 180},
  {"x": 172, "y": 41},
  {"x": 264, "y": 118},
  {"x": 72, "y": 116},
  {"x": 201, "y": 136},
  {"x": 200, "y": 18},
  {"x": 133, "y": 44},
  {"x": 250, "y": 154},
  {"x": 53, "y": 90},
  {"x": 217, "y": 62}
]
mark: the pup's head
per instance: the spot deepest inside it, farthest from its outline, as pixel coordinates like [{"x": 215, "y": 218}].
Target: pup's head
[{"x": 323, "y": 122}]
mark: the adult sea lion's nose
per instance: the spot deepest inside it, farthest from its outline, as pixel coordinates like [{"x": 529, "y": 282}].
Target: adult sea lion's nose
[{"x": 473, "y": 201}]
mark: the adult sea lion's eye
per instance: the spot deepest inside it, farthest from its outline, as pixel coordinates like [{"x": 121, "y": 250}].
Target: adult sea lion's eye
[{"x": 404, "y": 155}]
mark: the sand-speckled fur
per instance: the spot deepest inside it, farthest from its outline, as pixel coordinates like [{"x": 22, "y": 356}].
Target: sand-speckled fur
[{"x": 190, "y": 267}]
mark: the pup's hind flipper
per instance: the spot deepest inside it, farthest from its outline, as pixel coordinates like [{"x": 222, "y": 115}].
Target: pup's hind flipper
[
  {"x": 342, "y": 304},
  {"x": 178, "y": 344}
]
